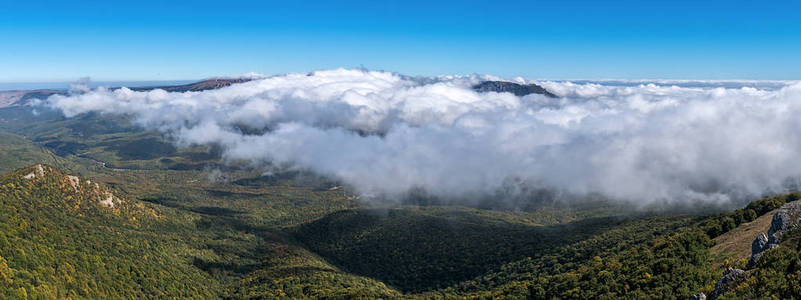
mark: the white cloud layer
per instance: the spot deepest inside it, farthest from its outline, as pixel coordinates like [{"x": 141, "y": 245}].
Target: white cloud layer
[{"x": 385, "y": 134}]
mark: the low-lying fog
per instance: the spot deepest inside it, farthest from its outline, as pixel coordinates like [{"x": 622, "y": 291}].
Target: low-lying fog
[{"x": 386, "y": 134}]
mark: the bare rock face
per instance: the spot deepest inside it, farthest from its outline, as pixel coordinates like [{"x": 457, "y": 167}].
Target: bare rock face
[
  {"x": 699, "y": 296},
  {"x": 759, "y": 243},
  {"x": 730, "y": 279},
  {"x": 786, "y": 218},
  {"x": 38, "y": 171}
]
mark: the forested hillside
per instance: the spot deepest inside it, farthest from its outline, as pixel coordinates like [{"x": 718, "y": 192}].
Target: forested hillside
[
  {"x": 65, "y": 236},
  {"x": 62, "y": 237}
]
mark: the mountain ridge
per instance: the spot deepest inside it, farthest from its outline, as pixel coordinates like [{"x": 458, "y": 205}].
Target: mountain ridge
[
  {"x": 22, "y": 97},
  {"x": 514, "y": 88},
  {"x": 79, "y": 192}
]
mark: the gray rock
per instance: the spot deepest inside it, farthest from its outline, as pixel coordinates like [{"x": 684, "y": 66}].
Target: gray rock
[
  {"x": 759, "y": 243},
  {"x": 753, "y": 260},
  {"x": 730, "y": 279},
  {"x": 786, "y": 218},
  {"x": 699, "y": 296},
  {"x": 756, "y": 256}
]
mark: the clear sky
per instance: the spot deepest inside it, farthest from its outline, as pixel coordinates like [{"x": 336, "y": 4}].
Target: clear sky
[{"x": 171, "y": 40}]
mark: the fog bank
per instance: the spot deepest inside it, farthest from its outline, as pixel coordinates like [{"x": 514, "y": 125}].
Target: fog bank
[{"x": 386, "y": 134}]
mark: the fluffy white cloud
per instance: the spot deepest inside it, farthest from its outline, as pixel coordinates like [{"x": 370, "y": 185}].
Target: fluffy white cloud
[{"x": 385, "y": 133}]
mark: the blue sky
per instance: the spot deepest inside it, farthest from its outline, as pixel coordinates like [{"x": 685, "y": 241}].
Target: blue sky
[{"x": 156, "y": 40}]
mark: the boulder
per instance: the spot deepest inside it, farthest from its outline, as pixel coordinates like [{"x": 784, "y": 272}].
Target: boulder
[
  {"x": 759, "y": 243},
  {"x": 730, "y": 279}
]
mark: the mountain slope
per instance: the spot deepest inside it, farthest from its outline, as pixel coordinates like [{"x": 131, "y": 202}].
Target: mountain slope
[
  {"x": 64, "y": 236},
  {"x": 735, "y": 245},
  {"x": 17, "y": 152},
  {"x": 203, "y": 85},
  {"x": 511, "y": 87}
]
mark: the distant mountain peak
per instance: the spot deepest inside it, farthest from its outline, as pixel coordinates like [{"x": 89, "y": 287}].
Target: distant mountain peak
[{"x": 511, "y": 87}]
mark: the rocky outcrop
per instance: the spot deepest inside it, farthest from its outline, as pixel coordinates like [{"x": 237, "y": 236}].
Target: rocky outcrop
[
  {"x": 699, "y": 296},
  {"x": 786, "y": 218},
  {"x": 511, "y": 87},
  {"x": 37, "y": 171},
  {"x": 758, "y": 247},
  {"x": 41, "y": 176},
  {"x": 730, "y": 279},
  {"x": 760, "y": 242}
]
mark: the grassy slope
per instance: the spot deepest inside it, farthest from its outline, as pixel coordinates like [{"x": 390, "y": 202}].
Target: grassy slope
[
  {"x": 777, "y": 275},
  {"x": 735, "y": 246}
]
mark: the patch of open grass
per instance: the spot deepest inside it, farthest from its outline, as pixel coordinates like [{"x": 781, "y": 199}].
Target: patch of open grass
[{"x": 735, "y": 245}]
